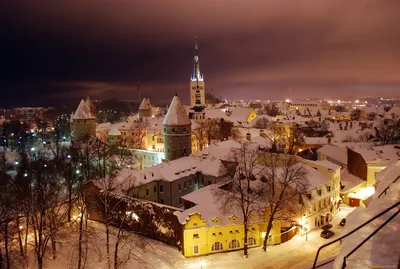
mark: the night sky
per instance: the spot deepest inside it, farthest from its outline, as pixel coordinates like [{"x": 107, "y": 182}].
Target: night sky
[{"x": 58, "y": 51}]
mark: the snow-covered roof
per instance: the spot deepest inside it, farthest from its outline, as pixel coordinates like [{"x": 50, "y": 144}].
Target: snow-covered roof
[
  {"x": 145, "y": 104},
  {"x": 114, "y": 131},
  {"x": 336, "y": 153},
  {"x": 176, "y": 169},
  {"x": 209, "y": 207},
  {"x": 215, "y": 114},
  {"x": 83, "y": 112},
  {"x": 384, "y": 247},
  {"x": 176, "y": 114},
  {"x": 394, "y": 110},
  {"x": 240, "y": 114},
  {"x": 315, "y": 177},
  {"x": 326, "y": 164},
  {"x": 371, "y": 153},
  {"x": 349, "y": 181},
  {"x": 316, "y": 140},
  {"x": 264, "y": 142},
  {"x": 221, "y": 149}
]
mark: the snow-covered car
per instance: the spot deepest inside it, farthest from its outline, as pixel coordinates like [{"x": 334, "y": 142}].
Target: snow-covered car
[
  {"x": 342, "y": 222},
  {"x": 327, "y": 234}
]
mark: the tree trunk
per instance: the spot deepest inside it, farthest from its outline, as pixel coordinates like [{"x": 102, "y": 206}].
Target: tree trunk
[
  {"x": 245, "y": 249},
  {"x": 69, "y": 200},
  {"x": 53, "y": 247},
  {"x": 40, "y": 262},
  {"x": 21, "y": 247},
  {"x": 1, "y": 259},
  {"x": 116, "y": 252},
  {"x": 269, "y": 226},
  {"x": 86, "y": 241},
  {"x": 6, "y": 245},
  {"x": 26, "y": 240},
  {"x": 108, "y": 245},
  {"x": 80, "y": 242}
]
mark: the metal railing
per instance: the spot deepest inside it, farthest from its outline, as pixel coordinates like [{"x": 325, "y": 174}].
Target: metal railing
[{"x": 353, "y": 231}]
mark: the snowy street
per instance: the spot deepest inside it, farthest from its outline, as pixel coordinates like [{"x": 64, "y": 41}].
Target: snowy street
[{"x": 296, "y": 253}]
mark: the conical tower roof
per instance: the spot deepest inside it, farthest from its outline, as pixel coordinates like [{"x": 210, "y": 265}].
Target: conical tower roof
[
  {"x": 114, "y": 131},
  {"x": 90, "y": 105},
  {"x": 145, "y": 104},
  {"x": 176, "y": 114},
  {"x": 83, "y": 112}
]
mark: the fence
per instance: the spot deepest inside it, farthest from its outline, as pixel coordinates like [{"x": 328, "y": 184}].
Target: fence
[{"x": 286, "y": 236}]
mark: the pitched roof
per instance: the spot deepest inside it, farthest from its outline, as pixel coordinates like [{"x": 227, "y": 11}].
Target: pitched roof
[
  {"x": 145, "y": 104},
  {"x": 336, "y": 153},
  {"x": 83, "y": 112},
  {"x": 176, "y": 114},
  {"x": 114, "y": 131}
]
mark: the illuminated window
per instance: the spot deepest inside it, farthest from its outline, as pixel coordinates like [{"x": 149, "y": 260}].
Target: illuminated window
[
  {"x": 217, "y": 246},
  {"x": 196, "y": 250},
  {"x": 251, "y": 241},
  {"x": 234, "y": 244}
]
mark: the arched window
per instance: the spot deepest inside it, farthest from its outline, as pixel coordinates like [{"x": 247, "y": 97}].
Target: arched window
[
  {"x": 251, "y": 241},
  {"x": 234, "y": 244},
  {"x": 217, "y": 246}
]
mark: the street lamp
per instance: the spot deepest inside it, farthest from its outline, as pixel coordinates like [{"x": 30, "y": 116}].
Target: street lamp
[{"x": 201, "y": 264}]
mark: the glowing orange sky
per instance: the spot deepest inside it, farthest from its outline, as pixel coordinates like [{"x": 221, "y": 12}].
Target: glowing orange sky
[{"x": 248, "y": 49}]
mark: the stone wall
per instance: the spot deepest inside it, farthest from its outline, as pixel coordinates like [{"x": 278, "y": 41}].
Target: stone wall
[
  {"x": 83, "y": 128},
  {"x": 153, "y": 220},
  {"x": 177, "y": 141}
]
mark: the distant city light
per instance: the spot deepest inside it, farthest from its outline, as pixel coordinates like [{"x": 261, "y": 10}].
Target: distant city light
[
  {"x": 16, "y": 163},
  {"x": 77, "y": 172},
  {"x": 32, "y": 149}
]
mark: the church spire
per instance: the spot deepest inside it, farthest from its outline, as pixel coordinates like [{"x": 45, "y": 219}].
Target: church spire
[{"x": 196, "y": 75}]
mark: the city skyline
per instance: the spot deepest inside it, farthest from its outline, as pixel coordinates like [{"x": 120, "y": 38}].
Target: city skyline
[{"x": 59, "y": 52}]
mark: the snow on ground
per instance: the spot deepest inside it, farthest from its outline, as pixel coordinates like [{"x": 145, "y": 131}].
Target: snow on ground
[{"x": 296, "y": 253}]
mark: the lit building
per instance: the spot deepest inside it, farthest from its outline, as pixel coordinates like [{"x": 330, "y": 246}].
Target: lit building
[
  {"x": 83, "y": 121},
  {"x": 197, "y": 88}
]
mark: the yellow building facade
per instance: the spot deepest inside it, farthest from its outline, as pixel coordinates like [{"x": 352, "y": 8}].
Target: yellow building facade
[{"x": 202, "y": 239}]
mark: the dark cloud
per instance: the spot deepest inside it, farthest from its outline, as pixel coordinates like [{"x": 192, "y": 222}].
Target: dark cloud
[{"x": 54, "y": 50}]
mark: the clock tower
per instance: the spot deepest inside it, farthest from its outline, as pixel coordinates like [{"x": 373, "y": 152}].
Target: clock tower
[{"x": 197, "y": 89}]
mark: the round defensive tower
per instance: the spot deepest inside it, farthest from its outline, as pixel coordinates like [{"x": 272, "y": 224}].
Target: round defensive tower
[{"x": 177, "y": 131}]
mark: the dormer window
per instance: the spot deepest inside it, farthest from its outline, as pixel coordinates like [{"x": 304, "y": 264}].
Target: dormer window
[
  {"x": 319, "y": 192},
  {"x": 328, "y": 188}
]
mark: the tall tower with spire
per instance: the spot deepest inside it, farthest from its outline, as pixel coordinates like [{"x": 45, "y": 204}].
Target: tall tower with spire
[{"x": 197, "y": 89}]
